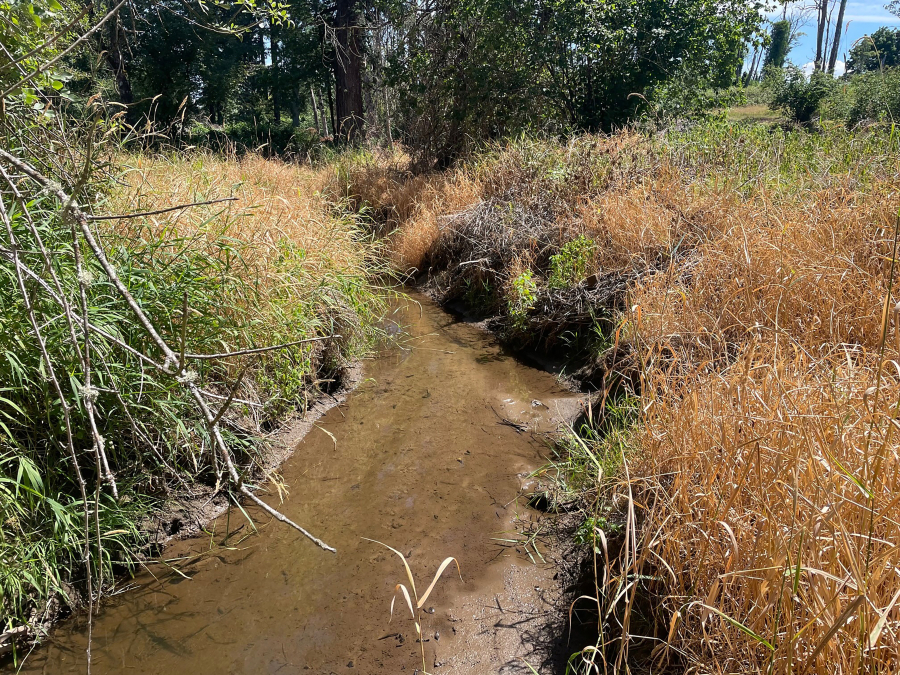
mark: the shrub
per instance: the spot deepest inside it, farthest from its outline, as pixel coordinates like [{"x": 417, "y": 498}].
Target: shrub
[
  {"x": 522, "y": 297},
  {"x": 875, "y": 97},
  {"x": 798, "y": 97},
  {"x": 570, "y": 265},
  {"x": 757, "y": 93}
]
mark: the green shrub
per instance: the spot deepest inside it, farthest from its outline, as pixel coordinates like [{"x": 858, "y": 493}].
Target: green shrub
[
  {"x": 522, "y": 298},
  {"x": 875, "y": 97},
  {"x": 570, "y": 265},
  {"x": 798, "y": 97},
  {"x": 756, "y": 93}
]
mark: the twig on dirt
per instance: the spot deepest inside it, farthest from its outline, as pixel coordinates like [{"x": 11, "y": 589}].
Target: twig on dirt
[{"x": 509, "y": 423}]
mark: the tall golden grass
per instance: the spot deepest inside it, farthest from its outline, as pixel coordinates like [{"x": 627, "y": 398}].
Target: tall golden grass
[
  {"x": 301, "y": 264},
  {"x": 763, "y": 480},
  {"x": 276, "y": 202},
  {"x": 408, "y": 207},
  {"x": 768, "y": 464}
]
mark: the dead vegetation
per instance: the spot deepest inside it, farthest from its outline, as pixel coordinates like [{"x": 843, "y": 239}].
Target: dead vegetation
[{"x": 743, "y": 281}]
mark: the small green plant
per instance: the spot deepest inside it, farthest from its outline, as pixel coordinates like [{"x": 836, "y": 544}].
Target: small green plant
[
  {"x": 570, "y": 265},
  {"x": 413, "y": 601},
  {"x": 586, "y": 533},
  {"x": 524, "y": 294}
]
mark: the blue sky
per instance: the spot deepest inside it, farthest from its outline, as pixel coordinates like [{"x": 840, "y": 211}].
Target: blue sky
[{"x": 863, "y": 17}]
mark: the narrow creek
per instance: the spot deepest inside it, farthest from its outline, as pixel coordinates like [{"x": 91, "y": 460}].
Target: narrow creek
[{"x": 416, "y": 458}]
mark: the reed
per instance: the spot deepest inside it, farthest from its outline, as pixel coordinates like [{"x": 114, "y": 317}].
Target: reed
[{"x": 411, "y": 596}]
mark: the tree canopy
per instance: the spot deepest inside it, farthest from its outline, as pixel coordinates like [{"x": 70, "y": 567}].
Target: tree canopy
[
  {"x": 438, "y": 74},
  {"x": 873, "y": 52}
]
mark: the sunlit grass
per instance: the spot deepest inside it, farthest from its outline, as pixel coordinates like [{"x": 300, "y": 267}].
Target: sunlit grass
[
  {"x": 743, "y": 515},
  {"x": 278, "y": 265}
]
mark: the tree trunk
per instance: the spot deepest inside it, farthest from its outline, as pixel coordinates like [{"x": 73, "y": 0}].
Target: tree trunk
[
  {"x": 820, "y": 35},
  {"x": 330, "y": 108},
  {"x": 754, "y": 65},
  {"x": 387, "y": 119},
  {"x": 295, "y": 106},
  {"x": 315, "y": 107},
  {"x": 276, "y": 74},
  {"x": 837, "y": 37},
  {"x": 348, "y": 72},
  {"x": 116, "y": 63}
]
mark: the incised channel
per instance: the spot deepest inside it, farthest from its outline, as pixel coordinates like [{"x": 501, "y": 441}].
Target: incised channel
[{"x": 418, "y": 458}]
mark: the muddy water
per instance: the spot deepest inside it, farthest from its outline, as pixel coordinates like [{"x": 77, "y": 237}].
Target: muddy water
[{"x": 416, "y": 458}]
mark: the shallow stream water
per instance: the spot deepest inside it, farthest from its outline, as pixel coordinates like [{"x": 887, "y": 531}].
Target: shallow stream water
[{"x": 418, "y": 458}]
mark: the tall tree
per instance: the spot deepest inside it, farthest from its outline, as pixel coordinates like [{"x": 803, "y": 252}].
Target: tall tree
[
  {"x": 838, "y": 27},
  {"x": 822, "y": 6},
  {"x": 348, "y": 70},
  {"x": 873, "y": 52},
  {"x": 275, "y": 56},
  {"x": 112, "y": 42},
  {"x": 778, "y": 47}
]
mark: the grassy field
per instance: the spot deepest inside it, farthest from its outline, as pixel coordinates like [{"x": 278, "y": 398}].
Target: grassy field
[
  {"x": 730, "y": 292},
  {"x": 754, "y": 113}
]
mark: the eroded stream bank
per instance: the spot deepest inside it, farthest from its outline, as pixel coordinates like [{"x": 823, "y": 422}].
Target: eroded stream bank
[{"x": 416, "y": 458}]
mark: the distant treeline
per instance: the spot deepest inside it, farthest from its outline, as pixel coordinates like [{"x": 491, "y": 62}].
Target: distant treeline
[{"x": 436, "y": 74}]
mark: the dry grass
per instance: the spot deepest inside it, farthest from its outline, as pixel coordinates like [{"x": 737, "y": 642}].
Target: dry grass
[
  {"x": 767, "y": 472},
  {"x": 293, "y": 265},
  {"x": 407, "y": 208},
  {"x": 303, "y": 261},
  {"x": 761, "y": 486},
  {"x": 277, "y": 202}
]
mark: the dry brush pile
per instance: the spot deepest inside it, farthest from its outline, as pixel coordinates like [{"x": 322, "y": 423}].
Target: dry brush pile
[{"x": 742, "y": 281}]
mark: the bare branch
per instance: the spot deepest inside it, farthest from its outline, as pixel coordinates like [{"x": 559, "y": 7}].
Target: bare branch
[
  {"x": 259, "y": 350},
  {"x": 158, "y": 211},
  {"x": 224, "y": 406}
]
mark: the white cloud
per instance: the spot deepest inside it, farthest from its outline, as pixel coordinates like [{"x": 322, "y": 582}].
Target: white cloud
[
  {"x": 856, "y": 12},
  {"x": 839, "y": 68},
  {"x": 870, "y": 12}
]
